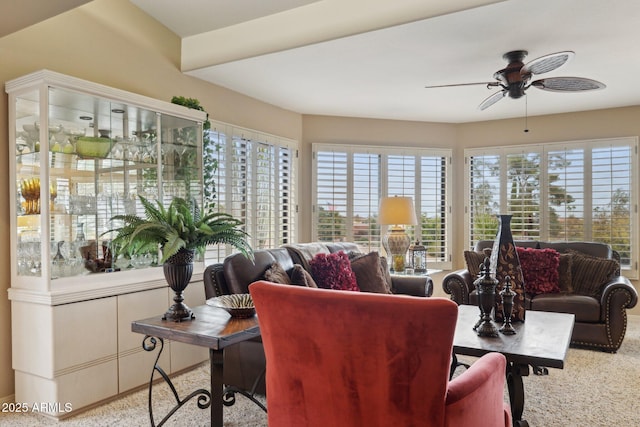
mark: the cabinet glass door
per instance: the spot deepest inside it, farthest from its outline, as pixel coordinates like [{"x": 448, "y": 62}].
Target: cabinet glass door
[{"x": 96, "y": 157}]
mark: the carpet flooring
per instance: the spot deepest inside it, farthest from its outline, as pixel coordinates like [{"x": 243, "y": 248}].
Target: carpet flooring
[{"x": 594, "y": 389}]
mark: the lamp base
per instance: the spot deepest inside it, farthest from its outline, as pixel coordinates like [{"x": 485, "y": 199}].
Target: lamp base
[{"x": 395, "y": 243}]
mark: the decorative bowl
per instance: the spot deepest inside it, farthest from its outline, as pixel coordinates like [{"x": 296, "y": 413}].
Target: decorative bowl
[
  {"x": 141, "y": 260},
  {"x": 239, "y": 306},
  {"x": 93, "y": 147}
]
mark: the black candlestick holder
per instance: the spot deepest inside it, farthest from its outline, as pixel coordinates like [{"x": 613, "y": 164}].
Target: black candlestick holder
[
  {"x": 507, "y": 295},
  {"x": 486, "y": 287}
]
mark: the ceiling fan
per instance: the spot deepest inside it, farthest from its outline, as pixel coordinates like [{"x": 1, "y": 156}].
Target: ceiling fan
[{"x": 513, "y": 80}]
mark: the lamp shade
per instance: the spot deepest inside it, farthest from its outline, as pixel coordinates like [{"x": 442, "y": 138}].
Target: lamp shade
[{"x": 397, "y": 210}]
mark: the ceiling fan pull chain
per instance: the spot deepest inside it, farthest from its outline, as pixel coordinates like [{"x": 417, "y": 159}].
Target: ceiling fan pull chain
[{"x": 526, "y": 114}]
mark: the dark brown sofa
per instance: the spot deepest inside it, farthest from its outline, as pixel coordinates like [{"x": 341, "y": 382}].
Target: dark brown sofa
[
  {"x": 601, "y": 319},
  {"x": 244, "y": 363}
]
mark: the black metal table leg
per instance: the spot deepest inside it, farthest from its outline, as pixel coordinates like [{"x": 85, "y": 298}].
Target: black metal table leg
[
  {"x": 216, "y": 359},
  {"x": 149, "y": 343},
  {"x": 455, "y": 364},
  {"x": 230, "y": 391},
  {"x": 514, "y": 375}
]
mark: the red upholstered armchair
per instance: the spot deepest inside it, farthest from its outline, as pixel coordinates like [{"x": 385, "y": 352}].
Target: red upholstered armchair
[{"x": 350, "y": 359}]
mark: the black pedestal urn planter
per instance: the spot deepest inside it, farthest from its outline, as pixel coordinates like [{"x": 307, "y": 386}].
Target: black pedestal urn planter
[{"x": 178, "y": 269}]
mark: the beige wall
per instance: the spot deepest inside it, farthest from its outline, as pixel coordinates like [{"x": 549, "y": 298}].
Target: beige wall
[{"x": 114, "y": 43}]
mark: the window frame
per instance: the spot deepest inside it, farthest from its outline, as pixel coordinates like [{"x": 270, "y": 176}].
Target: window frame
[
  {"x": 267, "y": 160},
  {"x": 385, "y": 152},
  {"x": 544, "y": 149}
]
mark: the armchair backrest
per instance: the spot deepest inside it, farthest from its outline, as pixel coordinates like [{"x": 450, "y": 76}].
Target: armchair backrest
[{"x": 340, "y": 358}]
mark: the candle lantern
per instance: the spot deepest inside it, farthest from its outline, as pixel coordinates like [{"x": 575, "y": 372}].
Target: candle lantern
[{"x": 418, "y": 257}]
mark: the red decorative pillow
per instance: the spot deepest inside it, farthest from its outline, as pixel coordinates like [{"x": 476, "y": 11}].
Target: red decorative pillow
[
  {"x": 539, "y": 270},
  {"x": 333, "y": 271}
]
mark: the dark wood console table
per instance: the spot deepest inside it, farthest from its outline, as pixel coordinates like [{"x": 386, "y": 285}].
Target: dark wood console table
[
  {"x": 212, "y": 328},
  {"x": 542, "y": 342}
]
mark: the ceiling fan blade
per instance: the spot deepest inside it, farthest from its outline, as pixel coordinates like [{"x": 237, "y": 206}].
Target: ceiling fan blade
[
  {"x": 546, "y": 63},
  {"x": 568, "y": 84},
  {"x": 492, "y": 99},
  {"x": 489, "y": 84}
]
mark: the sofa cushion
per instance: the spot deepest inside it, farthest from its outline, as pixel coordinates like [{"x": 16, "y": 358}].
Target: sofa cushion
[
  {"x": 474, "y": 260},
  {"x": 369, "y": 273},
  {"x": 585, "y": 308},
  {"x": 276, "y": 274},
  {"x": 590, "y": 274},
  {"x": 333, "y": 271},
  {"x": 564, "y": 274},
  {"x": 539, "y": 270},
  {"x": 301, "y": 277},
  {"x": 384, "y": 265},
  {"x": 303, "y": 253},
  {"x": 240, "y": 271}
]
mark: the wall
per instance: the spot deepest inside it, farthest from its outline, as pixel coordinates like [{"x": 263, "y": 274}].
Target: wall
[{"x": 114, "y": 43}]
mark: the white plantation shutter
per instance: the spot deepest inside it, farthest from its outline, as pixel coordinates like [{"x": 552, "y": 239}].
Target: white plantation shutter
[
  {"x": 366, "y": 193},
  {"x": 523, "y": 193},
  {"x": 349, "y": 181},
  {"x": 256, "y": 183},
  {"x": 285, "y": 199},
  {"x": 483, "y": 188},
  {"x": 432, "y": 206},
  {"x": 612, "y": 186},
  {"x": 566, "y": 169},
  {"x": 577, "y": 191},
  {"x": 330, "y": 207}
]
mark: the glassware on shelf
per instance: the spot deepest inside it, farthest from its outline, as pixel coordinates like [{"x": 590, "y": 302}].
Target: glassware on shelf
[
  {"x": 30, "y": 190},
  {"x": 80, "y": 237},
  {"x": 122, "y": 262},
  {"x": 21, "y": 145},
  {"x": 141, "y": 260}
]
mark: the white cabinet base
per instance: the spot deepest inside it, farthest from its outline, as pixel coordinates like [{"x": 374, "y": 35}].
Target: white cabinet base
[{"x": 72, "y": 356}]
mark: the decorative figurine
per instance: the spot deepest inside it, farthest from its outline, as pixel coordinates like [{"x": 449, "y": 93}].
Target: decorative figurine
[
  {"x": 507, "y": 296},
  {"x": 486, "y": 287}
]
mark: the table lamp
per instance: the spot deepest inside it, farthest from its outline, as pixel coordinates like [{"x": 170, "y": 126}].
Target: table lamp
[{"x": 396, "y": 211}]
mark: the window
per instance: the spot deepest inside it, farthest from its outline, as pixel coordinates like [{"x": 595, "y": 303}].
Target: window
[
  {"x": 578, "y": 191},
  {"x": 349, "y": 181},
  {"x": 253, "y": 176}
]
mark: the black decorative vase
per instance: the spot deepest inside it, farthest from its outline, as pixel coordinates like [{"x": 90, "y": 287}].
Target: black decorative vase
[
  {"x": 505, "y": 262},
  {"x": 178, "y": 270},
  {"x": 486, "y": 287}
]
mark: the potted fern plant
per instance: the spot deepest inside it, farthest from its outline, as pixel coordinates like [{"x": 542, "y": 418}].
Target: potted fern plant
[{"x": 180, "y": 231}]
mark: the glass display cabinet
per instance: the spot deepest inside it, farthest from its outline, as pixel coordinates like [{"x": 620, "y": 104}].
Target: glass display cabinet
[
  {"x": 80, "y": 153},
  {"x": 84, "y": 153}
]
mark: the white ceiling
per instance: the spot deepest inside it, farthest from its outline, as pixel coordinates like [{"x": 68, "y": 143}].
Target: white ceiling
[{"x": 372, "y": 58}]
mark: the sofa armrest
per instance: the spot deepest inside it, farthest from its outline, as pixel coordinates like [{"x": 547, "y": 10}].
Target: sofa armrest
[
  {"x": 419, "y": 286},
  {"x": 214, "y": 284},
  {"x": 618, "y": 285},
  {"x": 617, "y": 296},
  {"x": 478, "y": 394},
  {"x": 459, "y": 285}
]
